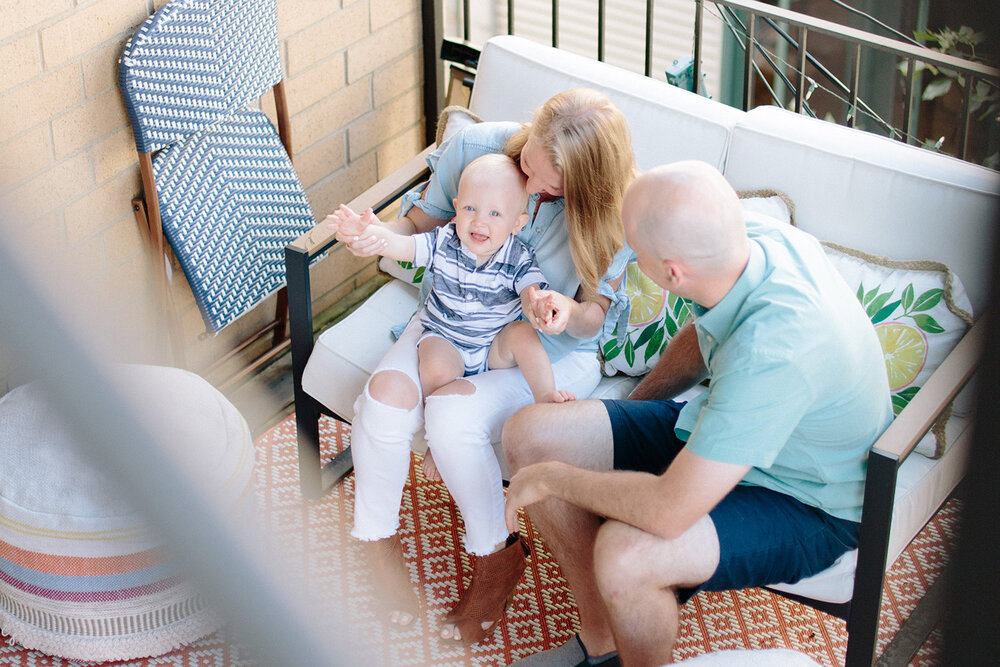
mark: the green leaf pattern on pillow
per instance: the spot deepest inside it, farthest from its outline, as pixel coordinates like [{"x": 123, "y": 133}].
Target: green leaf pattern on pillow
[
  {"x": 919, "y": 310},
  {"x": 654, "y": 318},
  {"x": 417, "y": 275}
]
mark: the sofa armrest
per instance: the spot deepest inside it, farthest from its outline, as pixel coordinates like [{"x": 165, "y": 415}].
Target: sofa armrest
[
  {"x": 377, "y": 197},
  {"x": 299, "y": 254},
  {"x": 887, "y": 454}
]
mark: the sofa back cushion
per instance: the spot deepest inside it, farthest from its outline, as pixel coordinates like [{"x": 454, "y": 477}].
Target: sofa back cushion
[
  {"x": 516, "y": 75},
  {"x": 872, "y": 193}
]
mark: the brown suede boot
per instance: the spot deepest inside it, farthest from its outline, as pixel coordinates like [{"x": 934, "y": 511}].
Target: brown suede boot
[{"x": 494, "y": 580}]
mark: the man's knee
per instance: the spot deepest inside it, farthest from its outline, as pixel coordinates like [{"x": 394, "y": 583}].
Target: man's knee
[
  {"x": 394, "y": 388},
  {"x": 620, "y": 564},
  {"x": 519, "y": 431}
]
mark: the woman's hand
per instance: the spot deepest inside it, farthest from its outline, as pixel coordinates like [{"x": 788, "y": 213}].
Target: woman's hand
[
  {"x": 356, "y": 231},
  {"x": 548, "y": 311}
]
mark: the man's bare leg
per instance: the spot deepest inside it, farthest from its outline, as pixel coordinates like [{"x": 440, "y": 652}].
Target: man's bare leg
[
  {"x": 578, "y": 432},
  {"x": 638, "y": 573}
]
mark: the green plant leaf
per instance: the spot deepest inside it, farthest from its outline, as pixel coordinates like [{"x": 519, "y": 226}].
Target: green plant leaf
[
  {"x": 654, "y": 345},
  {"x": 611, "y": 349},
  {"x": 885, "y": 312},
  {"x": 936, "y": 88},
  {"x": 405, "y": 265},
  {"x": 928, "y": 323},
  {"x": 870, "y": 295},
  {"x": 861, "y": 292},
  {"x": 928, "y": 299},
  {"x": 907, "y": 298},
  {"x": 877, "y": 303},
  {"x": 419, "y": 274}
]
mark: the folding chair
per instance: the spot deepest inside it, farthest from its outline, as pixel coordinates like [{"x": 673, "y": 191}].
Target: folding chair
[{"x": 218, "y": 181}]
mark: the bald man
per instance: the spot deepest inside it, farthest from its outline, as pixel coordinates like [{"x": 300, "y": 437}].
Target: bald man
[{"x": 759, "y": 480}]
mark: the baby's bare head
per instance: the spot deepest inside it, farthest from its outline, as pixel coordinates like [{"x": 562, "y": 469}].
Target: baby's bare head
[{"x": 499, "y": 172}]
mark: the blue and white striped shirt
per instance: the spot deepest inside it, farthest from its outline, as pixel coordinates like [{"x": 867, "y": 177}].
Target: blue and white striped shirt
[{"x": 469, "y": 304}]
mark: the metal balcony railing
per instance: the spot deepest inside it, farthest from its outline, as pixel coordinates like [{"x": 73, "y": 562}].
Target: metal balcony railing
[{"x": 742, "y": 18}]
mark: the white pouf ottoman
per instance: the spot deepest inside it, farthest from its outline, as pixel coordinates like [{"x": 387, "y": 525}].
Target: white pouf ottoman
[{"x": 81, "y": 575}]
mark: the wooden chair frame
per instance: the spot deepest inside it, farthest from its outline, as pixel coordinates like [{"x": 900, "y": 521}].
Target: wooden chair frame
[{"x": 146, "y": 209}]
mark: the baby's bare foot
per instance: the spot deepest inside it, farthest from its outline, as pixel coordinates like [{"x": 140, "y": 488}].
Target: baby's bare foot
[
  {"x": 558, "y": 396},
  {"x": 430, "y": 468}
]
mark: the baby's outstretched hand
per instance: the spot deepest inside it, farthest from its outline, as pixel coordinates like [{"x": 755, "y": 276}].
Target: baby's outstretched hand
[{"x": 346, "y": 223}]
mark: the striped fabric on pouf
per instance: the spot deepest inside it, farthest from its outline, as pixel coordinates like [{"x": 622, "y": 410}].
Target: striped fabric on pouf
[{"x": 81, "y": 574}]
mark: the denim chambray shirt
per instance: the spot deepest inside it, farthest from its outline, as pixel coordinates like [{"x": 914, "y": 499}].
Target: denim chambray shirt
[{"x": 546, "y": 232}]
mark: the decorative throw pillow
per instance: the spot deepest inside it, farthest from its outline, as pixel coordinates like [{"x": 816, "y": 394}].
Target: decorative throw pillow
[
  {"x": 920, "y": 311},
  {"x": 656, "y": 315},
  {"x": 451, "y": 120}
]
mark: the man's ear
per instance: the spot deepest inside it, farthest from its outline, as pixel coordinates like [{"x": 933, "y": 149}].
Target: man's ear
[
  {"x": 674, "y": 272},
  {"x": 522, "y": 220}
]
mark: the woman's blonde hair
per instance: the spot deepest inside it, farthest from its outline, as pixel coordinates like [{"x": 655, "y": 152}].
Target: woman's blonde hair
[{"x": 587, "y": 140}]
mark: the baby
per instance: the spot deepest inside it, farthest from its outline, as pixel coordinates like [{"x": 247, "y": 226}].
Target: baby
[{"x": 481, "y": 277}]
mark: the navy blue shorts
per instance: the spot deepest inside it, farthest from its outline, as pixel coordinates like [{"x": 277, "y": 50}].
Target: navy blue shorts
[{"x": 765, "y": 537}]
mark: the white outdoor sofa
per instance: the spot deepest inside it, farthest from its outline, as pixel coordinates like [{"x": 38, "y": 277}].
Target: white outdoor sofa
[{"x": 847, "y": 186}]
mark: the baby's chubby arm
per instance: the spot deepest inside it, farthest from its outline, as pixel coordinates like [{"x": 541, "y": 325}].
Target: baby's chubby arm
[{"x": 348, "y": 226}]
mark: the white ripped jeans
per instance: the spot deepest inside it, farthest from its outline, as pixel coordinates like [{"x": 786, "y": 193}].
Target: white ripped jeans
[{"x": 460, "y": 430}]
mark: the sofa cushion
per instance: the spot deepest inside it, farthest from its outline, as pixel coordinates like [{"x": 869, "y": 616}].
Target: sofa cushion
[
  {"x": 668, "y": 123},
  {"x": 872, "y": 193},
  {"x": 920, "y": 311}
]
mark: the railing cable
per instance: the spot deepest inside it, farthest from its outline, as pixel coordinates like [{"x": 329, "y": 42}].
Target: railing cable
[
  {"x": 877, "y": 22},
  {"x": 726, "y": 16},
  {"x": 863, "y": 107}
]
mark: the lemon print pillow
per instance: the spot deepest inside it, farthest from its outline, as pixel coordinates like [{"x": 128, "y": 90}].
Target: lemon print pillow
[
  {"x": 919, "y": 310},
  {"x": 654, "y": 318}
]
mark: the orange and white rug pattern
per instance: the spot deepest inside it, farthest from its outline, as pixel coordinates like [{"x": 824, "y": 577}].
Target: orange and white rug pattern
[{"x": 316, "y": 540}]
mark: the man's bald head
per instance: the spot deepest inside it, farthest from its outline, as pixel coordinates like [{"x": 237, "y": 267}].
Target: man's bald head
[
  {"x": 688, "y": 213},
  {"x": 685, "y": 211}
]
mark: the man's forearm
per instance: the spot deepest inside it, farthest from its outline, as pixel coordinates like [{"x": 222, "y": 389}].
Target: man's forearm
[
  {"x": 680, "y": 368},
  {"x": 620, "y": 495}
]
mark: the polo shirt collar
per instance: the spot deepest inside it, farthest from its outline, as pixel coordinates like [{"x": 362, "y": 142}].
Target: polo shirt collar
[
  {"x": 454, "y": 243},
  {"x": 721, "y": 319}
]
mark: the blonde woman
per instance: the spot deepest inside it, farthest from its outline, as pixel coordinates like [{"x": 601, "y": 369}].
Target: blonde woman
[{"x": 577, "y": 158}]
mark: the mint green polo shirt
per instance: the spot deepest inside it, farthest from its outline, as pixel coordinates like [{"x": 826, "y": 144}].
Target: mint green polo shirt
[{"x": 798, "y": 385}]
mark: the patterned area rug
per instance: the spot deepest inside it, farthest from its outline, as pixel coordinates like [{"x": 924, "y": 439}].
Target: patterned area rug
[{"x": 542, "y": 614}]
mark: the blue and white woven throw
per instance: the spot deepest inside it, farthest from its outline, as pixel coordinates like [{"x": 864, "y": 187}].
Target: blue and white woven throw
[{"x": 230, "y": 200}]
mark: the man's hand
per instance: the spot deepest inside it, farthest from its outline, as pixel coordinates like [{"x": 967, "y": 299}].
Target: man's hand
[
  {"x": 547, "y": 310},
  {"x": 526, "y": 487}
]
